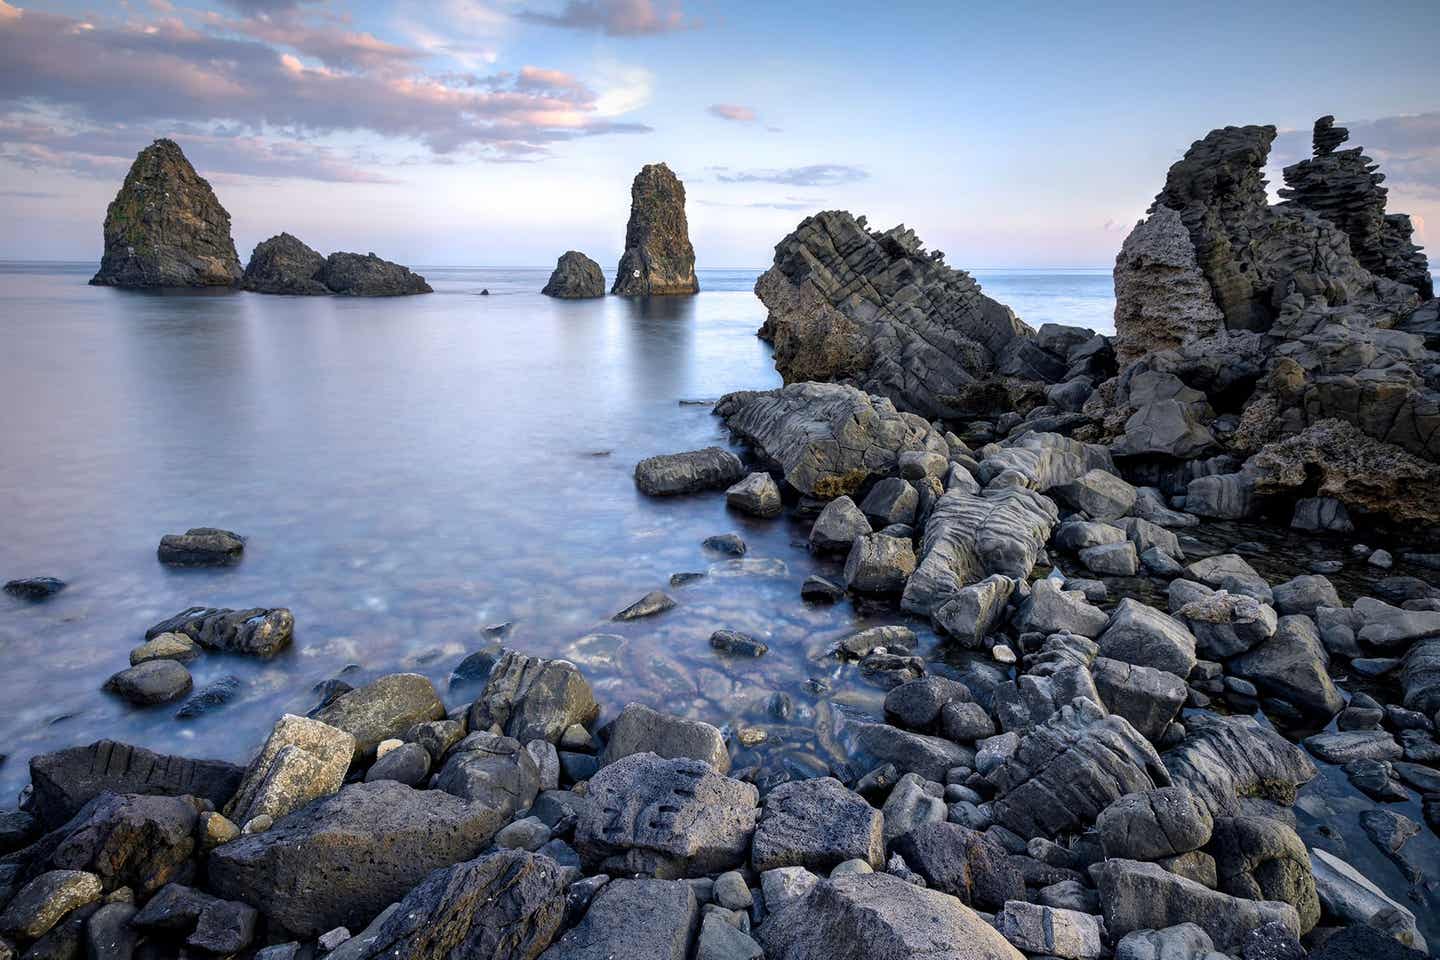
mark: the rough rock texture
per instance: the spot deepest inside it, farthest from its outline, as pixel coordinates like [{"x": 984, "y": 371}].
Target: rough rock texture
[
  {"x": 128, "y": 841},
  {"x": 301, "y": 759},
  {"x": 1154, "y": 824},
  {"x": 826, "y": 439},
  {"x": 353, "y": 275},
  {"x": 66, "y": 780},
  {"x": 1145, "y": 896},
  {"x": 301, "y": 873},
  {"x": 383, "y": 709},
  {"x": 1260, "y": 858},
  {"x": 165, "y": 228},
  {"x": 639, "y": 729},
  {"x": 576, "y": 277},
  {"x": 665, "y": 818},
  {"x": 658, "y": 257},
  {"x": 877, "y": 915},
  {"x": 876, "y": 309},
  {"x": 508, "y": 904},
  {"x": 962, "y": 862},
  {"x": 1069, "y": 768},
  {"x": 674, "y": 473},
  {"x": 531, "y": 697},
  {"x": 1162, "y": 299},
  {"x": 817, "y": 824},
  {"x": 490, "y": 771},
  {"x": 634, "y": 919},
  {"x": 259, "y": 631},
  {"x": 285, "y": 265},
  {"x": 201, "y": 547},
  {"x": 1223, "y": 759}
]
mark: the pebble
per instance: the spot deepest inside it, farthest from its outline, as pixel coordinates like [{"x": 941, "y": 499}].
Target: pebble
[
  {"x": 385, "y": 746},
  {"x": 333, "y": 938},
  {"x": 531, "y": 834}
]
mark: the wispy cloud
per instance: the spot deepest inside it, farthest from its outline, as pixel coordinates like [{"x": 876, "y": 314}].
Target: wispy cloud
[
  {"x": 815, "y": 175},
  {"x": 789, "y": 203},
  {"x": 732, "y": 111},
  {"x": 69, "y": 85},
  {"x": 617, "y": 18}
]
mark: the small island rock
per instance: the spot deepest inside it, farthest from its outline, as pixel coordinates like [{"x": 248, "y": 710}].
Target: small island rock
[
  {"x": 576, "y": 277},
  {"x": 658, "y": 257}
]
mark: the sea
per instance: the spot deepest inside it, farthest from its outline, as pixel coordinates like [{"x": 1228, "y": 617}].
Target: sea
[{"x": 419, "y": 478}]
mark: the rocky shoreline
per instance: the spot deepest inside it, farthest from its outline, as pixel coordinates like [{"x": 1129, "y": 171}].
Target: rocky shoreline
[{"x": 1118, "y": 769}]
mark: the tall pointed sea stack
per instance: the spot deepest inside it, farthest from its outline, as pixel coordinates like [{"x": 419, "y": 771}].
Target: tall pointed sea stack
[
  {"x": 658, "y": 258},
  {"x": 165, "y": 228}
]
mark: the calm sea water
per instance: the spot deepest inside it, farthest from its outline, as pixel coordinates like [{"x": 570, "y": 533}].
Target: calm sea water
[{"x": 412, "y": 473}]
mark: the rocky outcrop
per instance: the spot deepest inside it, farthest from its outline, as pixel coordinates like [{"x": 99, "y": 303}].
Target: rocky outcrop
[
  {"x": 576, "y": 277},
  {"x": 851, "y": 304},
  {"x": 1344, "y": 188},
  {"x": 259, "y": 632},
  {"x": 827, "y": 440},
  {"x": 283, "y": 264},
  {"x": 1161, "y": 298},
  {"x": 166, "y": 228},
  {"x": 354, "y": 275},
  {"x": 658, "y": 257}
]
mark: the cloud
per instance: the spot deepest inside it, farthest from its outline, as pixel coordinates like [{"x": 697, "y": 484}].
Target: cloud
[
  {"x": 815, "y": 175},
  {"x": 623, "y": 89},
  {"x": 789, "y": 203},
  {"x": 60, "y": 76},
  {"x": 617, "y": 18},
  {"x": 1407, "y": 148},
  {"x": 28, "y": 194},
  {"x": 732, "y": 111}
]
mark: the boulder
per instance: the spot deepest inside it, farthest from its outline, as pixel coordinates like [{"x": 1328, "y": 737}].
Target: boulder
[
  {"x": 1077, "y": 535},
  {"x": 879, "y": 564},
  {"x": 1067, "y": 934},
  {"x": 353, "y": 275},
  {"x": 130, "y": 841},
  {"x": 1361, "y": 942},
  {"x": 151, "y": 682},
  {"x": 490, "y": 771},
  {"x": 1305, "y": 594},
  {"x": 1052, "y": 609},
  {"x": 575, "y": 277},
  {"x": 1229, "y": 571},
  {"x": 912, "y": 803},
  {"x": 34, "y": 589},
  {"x": 531, "y": 697},
  {"x": 1420, "y": 676},
  {"x": 1223, "y": 623},
  {"x": 757, "y": 495},
  {"x": 66, "y": 780},
  {"x": 45, "y": 900},
  {"x": 817, "y": 824},
  {"x": 201, "y": 547},
  {"x": 301, "y": 872},
  {"x": 165, "y": 228},
  {"x": 640, "y": 919},
  {"x": 916, "y": 705},
  {"x": 1155, "y": 824},
  {"x": 1223, "y": 759},
  {"x": 972, "y": 613},
  {"x": 837, "y": 526},
  {"x": 258, "y": 631},
  {"x": 962, "y": 862},
  {"x": 1387, "y": 627},
  {"x": 1346, "y": 746},
  {"x": 658, "y": 257},
  {"x": 301, "y": 760},
  {"x": 1228, "y": 496},
  {"x": 1162, "y": 298},
  {"x": 1321, "y": 514},
  {"x": 1349, "y": 896},
  {"x": 825, "y": 439},
  {"x": 1069, "y": 768},
  {"x": 507, "y": 904},
  {"x": 284, "y": 265},
  {"x": 849, "y": 303},
  {"x": 383, "y": 710},
  {"x": 1145, "y": 896},
  {"x": 638, "y": 729},
  {"x": 1260, "y": 858},
  {"x": 892, "y": 500},
  {"x": 654, "y": 602},
  {"x": 666, "y": 818},
  {"x": 877, "y": 915},
  {"x": 876, "y": 744},
  {"x": 1112, "y": 559},
  {"x": 711, "y": 468},
  {"x": 1141, "y": 635},
  {"x": 1184, "y": 941},
  {"x": 1291, "y": 665},
  {"x": 1165, "y": 428},
  {"x": 1147, "y": 697},
  {"x": 167, "y": 646},
  {"x": 1098, "y": 493}
]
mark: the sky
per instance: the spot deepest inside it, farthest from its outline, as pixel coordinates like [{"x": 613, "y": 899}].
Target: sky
[{"x": 504, "y": 132}]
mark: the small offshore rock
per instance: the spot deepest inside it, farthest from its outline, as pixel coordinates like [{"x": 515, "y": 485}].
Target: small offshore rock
[
  {"x": 151, "y": 682},
  {"x": 34, "y": 588},
  {"x": 201, "y": 547},
  {"x": 575, "y": 277},
  {"x": 757, "y": 495},
  {"x": 656, "y": 601}
]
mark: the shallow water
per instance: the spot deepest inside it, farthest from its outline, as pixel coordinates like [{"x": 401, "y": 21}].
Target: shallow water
[{"x": 413, "y": 473}]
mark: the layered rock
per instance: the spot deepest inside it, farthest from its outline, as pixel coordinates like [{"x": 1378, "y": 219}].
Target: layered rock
[
  {"x": 166, "y": 228},
  {"x": 851, "y": 304},
  {"x": 575, "y": 277},
  {"x": 1162, "y": 299},
  {"x": 658, "y": 257}
]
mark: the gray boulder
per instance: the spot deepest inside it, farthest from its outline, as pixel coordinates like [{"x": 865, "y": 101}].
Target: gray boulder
[
  {"x": 383, "y": 710},
  {"x": 666, "y": 818},
  {"x": 1184, "y": 941},
  {"x": 1223, "y": 623},
  {"x": 1229, "y": 571},
  {"x": 1112, "y": 559},
  {"x": 876, "y": 744},
  {"x": 257, "y": 632},
  {"x": 1291, "y": 665},
  {"x": 1067, "y": 934},
  {"x": 1052, "y": 609},
  {"x": 1223, "y": 759},
  {"x": 1140, "y": 634},
  {"x": 1321, "y": 514},
  {"x": 301, "y": 872},
  {"x": 757, "y": 495},
  {"x": 1260, "y": 858},
  {"x": 892, "y": 500},
  {"x": 1145, "y": 896},
  {"x": 575, "y": 277},
  {"x": 972, "y": 613},
  {"x": 638, "y": 729},
  {"x": 301, "y": 760},
  {"x": 1227, "y": 496},
  {"x": 640, "y": 919},
  {"x": 1147, "y": 697},
  {"x": 1304, "y": 594},
  {"x": 837, "y": 527},
  {"x": 1077, "y": 535},
  {"x": 817, "y": 824},
  {"x": 964, "y": 863},
  {"x": 1100, "y": 494},
  {"x": 490, "y": 771},
  {"x": 151, "y": 682},
  {"x": 712, "y": 468},
  {"x": 879, "y": 564},
  {"x": 533, "y": 698},
  {"x": 1154, "y": 824},
  {"x": 1351, "y": 897},
  {"x": 201, "y": 547},
  {"x": 916, "y": 705}
]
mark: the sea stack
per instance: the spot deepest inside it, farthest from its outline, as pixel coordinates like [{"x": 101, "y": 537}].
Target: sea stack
[
  {"x": 284, "y": 264},
  {"x": 658, "y": 258},
  {"x": 166, "y": 228},
  {"x": 576, "y": 277}
]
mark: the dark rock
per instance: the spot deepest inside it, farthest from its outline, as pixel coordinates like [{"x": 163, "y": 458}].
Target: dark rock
[
  {"x": 383, "y": 710},
  {"x": 491, "y": 772},
  {"x": 1147, "y": 697},
  {"x": 165, "y": 227},
  {"x": 1292, "y": 665},
  {"x": 816, "y": 824},
  {"x": 643, "y": 919},
  {"x": 837, "y": 526},
  {"x": 353, "y": 275},
  {"x": 201, "y": 547},
  {"x": 1224, "y": 758},
  {"x": 576, "y": 277},
  {"x": 1273, "y": 941},
  {"x": 737, "y": 644},
  {"x": 1141, "y": 635},
  {"x": 658, "y": 257},
  {"x": 151, "y": 682},
  {"x": 259, "y": 632},
  {"x": 45, "y": 900},
  {"x": 224, "y": 927},
  {"x": 876, "y": 744},
  {"x": 1260, "y": 858},
  {"x": 1145, "y": 896},
  {"x": 639, "y": 729},
  {"x": 917, "y": 705},
  {"x": 1361, "y": 942},
  {"x": 209, "y": 698},
  {"x": 1154, "y": 824},
  {"x": 135, "y": 841},
  {"x": 656, "y": 601},
  {"x": 962, "y": 862},
  {"x": 284, "y": 265},
  {"x": 712, "y": 468},
  {"x": 879, "y": 564},
  {"x": 34, "y": 588},
  {"x": 757, "y": 495},
  {"x": 530, "y": 697},
  {"x": 109, "y": 933},
  {"x": 408, "y": 764},
  {"x": 727, "y": 544},
  {"x": 665, "y": 818},
  {"x": 817, "y": 589}
]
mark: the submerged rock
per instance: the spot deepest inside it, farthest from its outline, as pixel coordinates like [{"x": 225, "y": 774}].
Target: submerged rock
[
  {"x": 34, "y": 588},
  {"x": 165, "y": 228},
  {"x": 658, "y": 257},
  {"x": 576, "y": 277},
  {"x": 201, "y": 547},
  {"x": 260, "y": 632}
]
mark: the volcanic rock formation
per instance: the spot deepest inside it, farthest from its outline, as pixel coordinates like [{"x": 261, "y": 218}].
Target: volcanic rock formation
[
  {"x": 576, "y": 277},
  {"x": 166, "y": 228},
  {"x": 658, "y": 258},
  {"x": 283, "y": 264}
]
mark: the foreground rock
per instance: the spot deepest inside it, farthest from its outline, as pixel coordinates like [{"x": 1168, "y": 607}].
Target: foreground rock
[
  {"x": 165, "y": 228},
  {"x": 576, "y": 277},
  {"x": 649, "y": 919},
  {"x": 301, "y": 872},
  {"x": 817, "y": 824},
  {"x": 877, "y": 915},
  {"x": 658, "y": 257},
  {"x": 301, "y": 760},
  {"x": 674, "y": 473},
  {"x": 201, "y": 547},
  {"x": 877, "y": 309},
  {"x": 1145, "y": 896}
]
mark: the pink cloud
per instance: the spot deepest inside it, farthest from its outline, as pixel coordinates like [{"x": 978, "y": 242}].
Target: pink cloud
[{"x": 732, "y": 111}]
